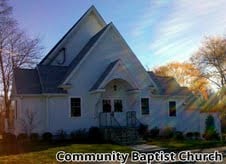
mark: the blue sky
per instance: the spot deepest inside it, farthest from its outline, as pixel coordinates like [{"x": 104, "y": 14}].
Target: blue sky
[{"x": 158, "y": 31}]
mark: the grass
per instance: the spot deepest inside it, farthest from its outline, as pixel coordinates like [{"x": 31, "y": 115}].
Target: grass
[
  {"x": 178, "y": 145},
  {"x": 44, "y": 153}
]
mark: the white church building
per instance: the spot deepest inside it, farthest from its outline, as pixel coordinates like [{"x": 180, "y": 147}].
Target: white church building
[{"x": 91, "y": 77}]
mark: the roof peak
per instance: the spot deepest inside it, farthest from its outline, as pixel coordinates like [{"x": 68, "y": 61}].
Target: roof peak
[{"x": 93, "y": 10}]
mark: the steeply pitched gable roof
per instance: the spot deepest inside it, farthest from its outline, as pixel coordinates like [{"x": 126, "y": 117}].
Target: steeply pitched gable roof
[
  {"x": 169, "y": 86},
  {"x": 91, "y": 9},
  {"x": 51, "y": 77},
  {"x": 75, "y": 62},
  {"x": 103, "y": 75}
]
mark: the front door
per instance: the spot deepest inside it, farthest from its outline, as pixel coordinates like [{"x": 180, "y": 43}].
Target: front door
[{"x": 112, "y": 105}]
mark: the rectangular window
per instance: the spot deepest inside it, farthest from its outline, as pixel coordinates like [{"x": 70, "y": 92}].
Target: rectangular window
[
  {"x": 144, "y": 105},
  {"x": 172, "y": 108},
  {"x": 118, "y": 105},
  {"x": 75, "y": 107},
  {"x": 106, "y": 104}
]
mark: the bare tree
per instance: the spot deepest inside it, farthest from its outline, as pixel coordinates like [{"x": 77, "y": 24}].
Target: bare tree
[
  {"x": 16, "y": 50},
  {"x": 30, "y": 122},
  {"x": 211, "y": 60}
]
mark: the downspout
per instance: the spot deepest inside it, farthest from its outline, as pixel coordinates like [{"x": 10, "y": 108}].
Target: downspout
[{"x": 47, "y": 113}]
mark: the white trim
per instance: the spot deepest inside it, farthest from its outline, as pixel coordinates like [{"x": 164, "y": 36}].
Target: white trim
[
  {"x": 133, "y": 91},
  {"x": 65, "y": 86},
  {"x": 171, "y": 100},
  {"x": 97, "y": 91},
  {"x": 84, "y": 58},
  {"x": 69, "y": 106},
  {"x": 93, "y": 10},
  {"x": 47, "y": 113},
  {"x": 39, "y": 95},
  {"x": 145, "y": 97},
  {"x": 119, "y": 63},
  {"x": 168, "y": 96},
  {"x": 112, "y": 104},
  {"x": 128, "y": 47}
]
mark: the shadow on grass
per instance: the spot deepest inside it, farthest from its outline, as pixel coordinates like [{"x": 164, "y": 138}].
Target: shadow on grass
[
  {"x": 179, "y": 145},
  {"x": 14, "y": 148}
]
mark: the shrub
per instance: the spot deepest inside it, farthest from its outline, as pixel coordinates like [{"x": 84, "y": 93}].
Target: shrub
[
  {"x": 167, "y": 132},
  {"x": 61, "y": 135},
  {"x": 95, "y": 135},
  {"x": 178, "y": 135},
  {"x": 189, "y": 135},
  {"x": 9, "y": 138},
  {"x": 22, "y": 138},
  {"x": 196, "y": 135},
  {"x": 210, "y": 131},
  {"x": 79, "y": 136},
  {"x": 47, "y": 137},
  {"x": 211, "y": 135},
  {"x": 34, "y": 137},
  {"x": 154, "y": 132}
]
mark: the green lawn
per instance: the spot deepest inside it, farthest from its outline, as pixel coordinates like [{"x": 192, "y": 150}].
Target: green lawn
[
  {"x": 42, "y": 153},
  {"x": 177, "y": 145},
  {"x": 45, "y": 153}
]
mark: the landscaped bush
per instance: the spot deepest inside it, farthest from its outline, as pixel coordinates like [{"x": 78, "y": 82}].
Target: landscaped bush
[
  {"x": 178, "y": 135},
  {"x": 61, "y": 135},
  {"x": 22, "y": 138},
  {"x": 211, "y": 135},
  {"x": 34, "y": 137},
  {"x": 95, "y": 135},
  {"x": 47, "y": 137},
  {"x": 79, "y": 136},
  {"x": 210, "y": 131},
  {"x": 143, "y": 131},
  {"x": 154, "y": 132},
  {"x": 167, "y": 132},
  {"x": 9, "y": 138},
  {"x": 196, "y": 135},
  {"x": 189, "y": 135}
]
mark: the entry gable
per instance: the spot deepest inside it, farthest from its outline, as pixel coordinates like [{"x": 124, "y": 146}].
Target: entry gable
[{"x": 115, "y": 70}]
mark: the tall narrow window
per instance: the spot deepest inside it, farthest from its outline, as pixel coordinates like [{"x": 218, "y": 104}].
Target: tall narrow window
[
  {"x": 172, "y": 109},
  {"x": 106, "y": 106},
  {"x": 118, "y": 105},
  {"x": 75, "y": 107},
  {"x": 14, "y": 107},
  {"x": 144, "y": 105}
]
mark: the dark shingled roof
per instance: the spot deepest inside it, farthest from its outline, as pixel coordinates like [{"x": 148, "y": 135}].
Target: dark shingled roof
[
  {"x": 27, "y": 81},
  {"x": 47, "y": 78},
  {"x": 169, "y": 86},
  {"x": 43, "y": 79},
  {"x": 51, "y": 77},
  {"x": 103, "y": 75}
]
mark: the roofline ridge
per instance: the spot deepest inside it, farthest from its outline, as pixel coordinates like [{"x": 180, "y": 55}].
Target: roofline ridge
[
  {"x": 39, "y": 78},
  {"x": 92, "y": 8},
  {"x": 90, "y": 49}
]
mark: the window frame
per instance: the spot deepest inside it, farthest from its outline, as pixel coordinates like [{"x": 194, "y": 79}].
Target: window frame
[
  {"x": 141, "y": 110},
  {"x": 106, "y": 99},
  {"x": 113, "y": 101},
  {"x": 173, "y": 116},
  {"x": 81, "y": 106}
]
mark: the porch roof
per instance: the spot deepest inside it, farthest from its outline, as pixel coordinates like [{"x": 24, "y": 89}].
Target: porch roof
[{"x": 103, "y": 75}]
